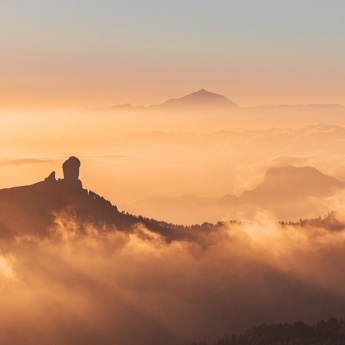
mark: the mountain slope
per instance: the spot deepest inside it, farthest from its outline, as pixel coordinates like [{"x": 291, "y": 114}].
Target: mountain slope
[
  {"x": 201, "y": 98},
  {"x": 35, "y": 208},
  {"x": 293, "y": 182},
  {"x": 197, "y": 100},
  {"x": 289, "y": 193}
]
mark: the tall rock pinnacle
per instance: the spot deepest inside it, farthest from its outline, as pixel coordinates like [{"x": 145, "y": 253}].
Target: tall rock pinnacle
[
  {"x": 71, "y": 169},
  {"x": 71, "y": 174}
]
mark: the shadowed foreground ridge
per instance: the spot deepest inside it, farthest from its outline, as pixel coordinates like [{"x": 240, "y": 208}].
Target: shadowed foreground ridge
[{"x": 31, "y": 209}]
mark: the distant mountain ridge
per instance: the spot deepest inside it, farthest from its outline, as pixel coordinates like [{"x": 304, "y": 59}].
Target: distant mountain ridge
[
  {"x": 205, "y": 99},
  {"x": 202, "y": 98},
  {"x": 298, "y": 181},
  {"x": 199, "y": 99},
  {"x": 285, "y": 191}
]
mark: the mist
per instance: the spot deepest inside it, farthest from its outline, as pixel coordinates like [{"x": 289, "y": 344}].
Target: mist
[
  {"x": 109, "y": 287},
  {"x": 131, "y": 287},
  {"x": 176, "y": 153}
]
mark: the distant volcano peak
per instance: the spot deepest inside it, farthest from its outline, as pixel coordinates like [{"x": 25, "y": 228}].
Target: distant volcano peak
[
  {"x": 197, "y": 100},
  {"x": 203, "y": 91},
  {"x": 201, "y": 98}
]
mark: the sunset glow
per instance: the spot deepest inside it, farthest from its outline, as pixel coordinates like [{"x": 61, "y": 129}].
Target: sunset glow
[
  {"x": 172, "y": 172},
  {"x": 70, "y": 54}
]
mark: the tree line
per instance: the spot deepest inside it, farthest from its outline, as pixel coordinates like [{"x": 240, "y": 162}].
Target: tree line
[{"x": 330, "y": 332}]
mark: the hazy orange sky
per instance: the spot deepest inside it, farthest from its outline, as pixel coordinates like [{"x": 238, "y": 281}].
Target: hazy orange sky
[
  {"x": 63, "y": 54},
  {"x": 82, "y": 284}
]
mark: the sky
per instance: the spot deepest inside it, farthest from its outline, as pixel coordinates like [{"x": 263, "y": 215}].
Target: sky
[
  {"x": 59, "y": 58},
  {"x": 80, "y": 54}
]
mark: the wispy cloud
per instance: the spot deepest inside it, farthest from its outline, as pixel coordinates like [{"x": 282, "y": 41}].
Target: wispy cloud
[{"x": 25, "y": 161}]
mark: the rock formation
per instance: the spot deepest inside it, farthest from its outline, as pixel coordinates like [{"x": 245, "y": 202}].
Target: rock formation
[
  {"x": 51, "y": 177},
  {"x": 71, "y": 173},
  {"x": 71, "y": 169}
]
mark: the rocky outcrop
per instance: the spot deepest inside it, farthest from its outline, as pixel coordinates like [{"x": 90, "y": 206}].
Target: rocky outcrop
[
  {"x": 71, "y": 169},
  {"x": 51, "y": 177},
  {"x": 71, "y": 173},
  {"x": 37, "y": 209}
]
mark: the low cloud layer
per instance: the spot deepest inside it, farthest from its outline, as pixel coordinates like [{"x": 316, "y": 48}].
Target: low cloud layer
[{"x": 134, "y": 288}]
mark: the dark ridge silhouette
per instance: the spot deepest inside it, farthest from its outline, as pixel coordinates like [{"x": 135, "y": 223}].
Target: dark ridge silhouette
[
  {"x": 31, "y": 209},
  {"x": 297, "y": 333}
]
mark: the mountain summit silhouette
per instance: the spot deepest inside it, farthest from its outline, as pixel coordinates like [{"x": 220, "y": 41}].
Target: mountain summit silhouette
[
  {"x": 35, "y": 209},
  {"x": 293, "y": 182},
  {"x": 201, "y": 98},
  {"x": 287, "y": 192}
]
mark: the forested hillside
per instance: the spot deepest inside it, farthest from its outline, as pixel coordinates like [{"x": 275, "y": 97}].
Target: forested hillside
[{"x": 331, "y": 332}]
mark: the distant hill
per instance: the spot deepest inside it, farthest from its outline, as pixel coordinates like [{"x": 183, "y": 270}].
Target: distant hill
[
  {"x": 201, "y": 98},
  {"x": 204, "y": 99},
  {"x": 197, "y": 100},
  {"x": 292, "y": 182},
  {"x": 287, "y": 192}
]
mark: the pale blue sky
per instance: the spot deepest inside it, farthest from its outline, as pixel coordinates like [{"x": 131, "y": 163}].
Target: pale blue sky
[{"x": 194, "y": 40}]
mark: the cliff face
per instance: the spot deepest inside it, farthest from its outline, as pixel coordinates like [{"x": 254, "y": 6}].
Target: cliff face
[{"x": 31, "y": 209}]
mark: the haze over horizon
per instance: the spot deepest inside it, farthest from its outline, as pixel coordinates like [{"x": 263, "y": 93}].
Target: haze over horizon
[
  {"x": 178, "y": 169},
  {"x": 67, "y": 55}
]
